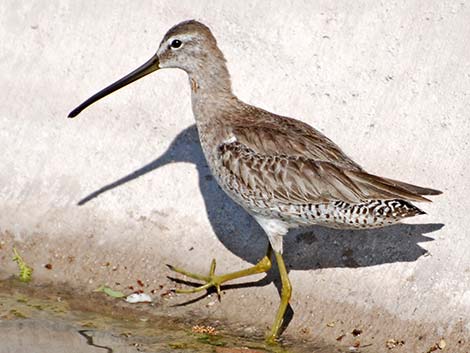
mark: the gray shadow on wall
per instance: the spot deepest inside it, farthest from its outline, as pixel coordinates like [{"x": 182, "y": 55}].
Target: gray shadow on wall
[{"x": 310, "y": 248}]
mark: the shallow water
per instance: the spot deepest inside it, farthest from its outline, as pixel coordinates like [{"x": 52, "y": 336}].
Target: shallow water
[{"x": 41, "y": 319}]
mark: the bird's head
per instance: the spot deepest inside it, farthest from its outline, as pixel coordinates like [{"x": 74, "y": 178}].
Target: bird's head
[{"x": 189, "y": 46}]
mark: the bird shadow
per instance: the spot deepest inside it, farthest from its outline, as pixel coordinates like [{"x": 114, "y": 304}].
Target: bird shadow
[{"x": 305, "y": 249}]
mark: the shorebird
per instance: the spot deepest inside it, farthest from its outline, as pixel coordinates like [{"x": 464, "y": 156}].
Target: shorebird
[{"x": 280, "y": 170}]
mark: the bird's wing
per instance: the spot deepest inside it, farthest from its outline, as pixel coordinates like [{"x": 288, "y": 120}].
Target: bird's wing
[
  {"x": 270, "y": 134},
  {"x": 301, "y": 180},
  {"x": 413, "y": 188}
]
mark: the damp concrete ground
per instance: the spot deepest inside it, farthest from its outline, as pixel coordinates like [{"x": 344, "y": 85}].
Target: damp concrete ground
[{"x": 46, "y": 319}]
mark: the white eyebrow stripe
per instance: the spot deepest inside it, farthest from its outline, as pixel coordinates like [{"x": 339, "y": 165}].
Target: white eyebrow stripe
[{"x": 182, "y": 37}]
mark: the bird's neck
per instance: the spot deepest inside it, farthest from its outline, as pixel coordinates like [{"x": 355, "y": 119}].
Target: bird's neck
[
  {"x": 211, "y": 81},
  {"x": 213, "y": 104},
  {"x": 211, "y": 91}
]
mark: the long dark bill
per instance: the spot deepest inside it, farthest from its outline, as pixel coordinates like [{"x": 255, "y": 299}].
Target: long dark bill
[{"x": 147, "y": 68}]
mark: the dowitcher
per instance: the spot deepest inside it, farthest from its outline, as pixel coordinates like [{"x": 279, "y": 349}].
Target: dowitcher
[{"x": 280, "y": 170}]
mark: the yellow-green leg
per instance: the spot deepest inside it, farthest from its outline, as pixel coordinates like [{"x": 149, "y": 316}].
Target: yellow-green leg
[
  {"x": 286, "y": 291},
  {"x": 213, "y": 280}
]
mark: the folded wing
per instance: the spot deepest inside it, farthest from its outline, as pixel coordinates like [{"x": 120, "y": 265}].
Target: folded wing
[{"x": 302, "y": 180}]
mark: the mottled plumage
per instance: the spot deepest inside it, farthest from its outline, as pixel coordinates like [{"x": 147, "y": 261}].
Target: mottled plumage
[{"x": 281, "y": 170}]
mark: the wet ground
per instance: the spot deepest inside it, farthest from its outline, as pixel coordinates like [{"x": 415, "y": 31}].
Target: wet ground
[{"x": 54, "y": 320}]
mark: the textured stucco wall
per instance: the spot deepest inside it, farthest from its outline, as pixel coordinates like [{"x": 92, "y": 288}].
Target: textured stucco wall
[{"x": 388, "y": 81}]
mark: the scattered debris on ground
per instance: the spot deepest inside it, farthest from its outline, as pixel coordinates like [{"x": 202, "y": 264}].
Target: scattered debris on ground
[
  {"x": 209, "y": 330},
  {"x": 26, "y": 272},
  {"x": 356, "y": 332},
  {"x": 236, "y": 350},
  {"x": 441, "y": 344},
  {"x": 437, "y": 346},
  {"x": 393, "y": 343},
  {"x": 109, "y": 291},
  {"x": 138, "y": 298}
]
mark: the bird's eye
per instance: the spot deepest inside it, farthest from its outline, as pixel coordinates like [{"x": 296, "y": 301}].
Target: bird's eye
[{"x": 175, "y": 44}]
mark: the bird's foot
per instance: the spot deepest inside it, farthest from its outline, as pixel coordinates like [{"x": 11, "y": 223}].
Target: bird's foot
[{"x": 211, "y": 280}]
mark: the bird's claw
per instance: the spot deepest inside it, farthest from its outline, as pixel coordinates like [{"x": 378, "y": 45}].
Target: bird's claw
[{"x": 212, "y": 280}]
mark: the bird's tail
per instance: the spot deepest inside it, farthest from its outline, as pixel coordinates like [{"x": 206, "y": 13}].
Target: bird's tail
[{"x": 415, "y": 189}]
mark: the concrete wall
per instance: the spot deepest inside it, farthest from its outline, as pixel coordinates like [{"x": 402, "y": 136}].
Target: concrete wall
[{"x": 388, "y": 81}]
